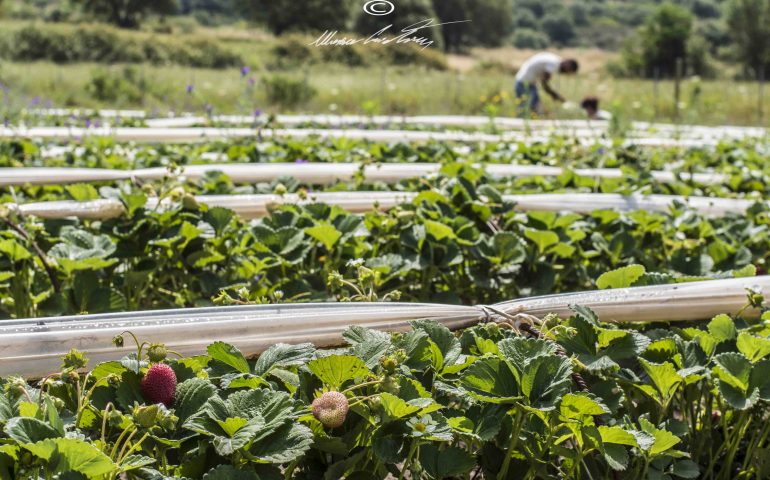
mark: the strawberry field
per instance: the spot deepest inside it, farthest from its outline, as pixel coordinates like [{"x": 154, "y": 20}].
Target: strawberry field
[{"x": 291, "y": 306}]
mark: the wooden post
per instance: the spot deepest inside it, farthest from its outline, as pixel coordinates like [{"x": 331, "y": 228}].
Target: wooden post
[
  {"x": 678, "y": 86},
  {"x": 761, "y": 92},
  {"x": 655, "y": 91}
]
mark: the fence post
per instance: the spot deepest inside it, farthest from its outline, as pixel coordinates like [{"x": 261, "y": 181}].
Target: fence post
[
  {"x": 655, "y": 91},
  {"x": 761, "y": 92},
  {"x": 678, "y": 86}
]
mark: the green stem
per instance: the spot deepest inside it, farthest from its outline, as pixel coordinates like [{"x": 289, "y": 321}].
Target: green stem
[
  {"x": 408, "y": 461},
  {"x": 517, "y": 424}
]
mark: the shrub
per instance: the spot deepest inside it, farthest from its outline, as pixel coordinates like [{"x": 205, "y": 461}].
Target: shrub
[
  {"x": 109, "y": 85},
  {"x": 559, "y": 27},
  {"x": 527, "y": 38},
  {"x": 525, "y": 19},
  {"x": 282, "y": 16},
  {"x": 106, "y": 45},
  {"x": 408, "y": 13},
  {"x": 287, "y": 92}
]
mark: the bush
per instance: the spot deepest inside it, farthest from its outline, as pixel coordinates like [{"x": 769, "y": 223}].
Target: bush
[
  {"x": 105, "y": 45},
  {"x": 282, "y": 16},
  {"x": 492, "y": 21},
  {"x": 706, "y": 9},
  {"x": 112, "y": 86},
  {"x": 287, "y": 92},
  {"x": 525, "y": 19},
  {"x": 292, "y": 51},
  {"x": 527, "y": 38},
  {"x": 408, "y": 12},
  {"x": 559, "y": 27}
]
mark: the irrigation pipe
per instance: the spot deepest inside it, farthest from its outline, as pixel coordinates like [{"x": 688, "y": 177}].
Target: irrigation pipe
[
  {"x": 34, "y": 347},
  {"x": 318, "y": 173},
  {"x": 158, "y": 135},
  {"x": 257, "y": 206},
  {"x": 190, "y": 119}
]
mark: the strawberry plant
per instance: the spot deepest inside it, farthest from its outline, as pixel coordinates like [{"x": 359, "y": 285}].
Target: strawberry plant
[{"x": 576, "y": 398}]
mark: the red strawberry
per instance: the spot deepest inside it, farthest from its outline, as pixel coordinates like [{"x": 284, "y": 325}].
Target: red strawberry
[
  {"x": 331, "y": 408},
  {"x": 159, "y": 384}
]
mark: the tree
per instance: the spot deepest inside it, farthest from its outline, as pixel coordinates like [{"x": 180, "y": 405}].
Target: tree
[
  {"x": 282, "y": 16},
  {"x": 749, "y": 25},
  {"x": 127, "y": 13},
  {"x": 559, "y": 27},
  {"x": 455, "y": 35},
  {"x": 491, "y": 21},
  {"x": 664, "y": 38},
  {"x": 406, "y": 14}
]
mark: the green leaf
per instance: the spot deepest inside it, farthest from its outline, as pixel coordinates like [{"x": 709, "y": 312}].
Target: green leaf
[
  {"x": 190, "y": 396},
  {"x": 620, "y": 278},
  {"x": 439, "y": 231},
  {"x": 325, "y": 233},
  {"x": 368, "y": 345},
  {"x": 133, "y": 201},
  {"x": 734, "y": 369},
  {"x": 753, "y": 347},
  {"x": 686, "y": 468},
  {"x": 14, "y": 250},
  {"x": 73, "y": 455},
  {"x": 287, "y": 443},
  {"x": 228, "y": 472},
  {"x": 282, "y": 355},
  {"x": 542, "y": 238},
  {"x": 82, "y": 192},
  {"x": 520, "y": 351},
  {"x": 616, "y": 456},
  {"x": 335, "y": 370},
  {"x": 29, "y": 430},
  {"x": 491, "y": 380},
  {"x": 722, "y": 328},
  {"x": 395, "y": 407},
  {"x": 545, "y": 380},
  {"x": 218, "y": 218},
  {"x": 449, "y": 462},
  {"x": 229, "y": 355},
  {"x": 617, "y": 435},
  {"x": 664, "y": 377},
  {"x": 580, "y": 405}
]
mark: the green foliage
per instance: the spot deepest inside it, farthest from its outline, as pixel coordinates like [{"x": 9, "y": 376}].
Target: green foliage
[
  {"x": 559, "y": 27},
  {"x": 108, "y": 45},
  {"x": 528, "y": 38},
  {"x": 287, "y": 92},
  {"x": 126, "y": 13},
  {"x": 749, "y": 27},
  {"x": 424, "y": 404},
  {"x": 408, "y": 15},
  {"x": 282, "y": 16}
]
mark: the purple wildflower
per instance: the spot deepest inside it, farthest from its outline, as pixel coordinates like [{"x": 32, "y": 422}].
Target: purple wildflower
[
  {"x": 301, "y": 160},
  {"x": 189, "y": 88},
  {"x": 252, "y": 81},
  {"x": 245, "y": 70},
  {"x": 258, "y": 112},
  {"x": 35, "y": 101}
]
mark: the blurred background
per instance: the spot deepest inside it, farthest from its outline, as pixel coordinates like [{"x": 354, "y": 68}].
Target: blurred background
[{"x": 690, "y": 61}]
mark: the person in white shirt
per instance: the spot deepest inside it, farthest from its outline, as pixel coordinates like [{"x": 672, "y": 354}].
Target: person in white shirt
[
  {"x": 591, "y": 106},
  {"x": 539, "y": 69}
]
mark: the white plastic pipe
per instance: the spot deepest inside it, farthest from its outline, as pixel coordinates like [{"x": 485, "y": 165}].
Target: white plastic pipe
[
  {"x": 319, "y": 173},
  {"x": 153, "y": 135},
  {"x": 34, "y": 347},
  {"x": 257, "y": 206},
  {"x": 190, "y": 119}
]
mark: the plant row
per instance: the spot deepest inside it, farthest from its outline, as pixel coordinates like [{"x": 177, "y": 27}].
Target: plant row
[
  {"x": 569, "y": 398},
  {"x": 457, "y": 242}
]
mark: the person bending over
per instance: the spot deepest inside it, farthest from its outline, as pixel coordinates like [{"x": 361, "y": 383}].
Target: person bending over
[{"x": 540, "y": 69}]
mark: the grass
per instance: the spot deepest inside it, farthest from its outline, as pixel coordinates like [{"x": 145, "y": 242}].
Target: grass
[
  {"x": 380, "y": 90},
  {"x": 475, "y": 81}
]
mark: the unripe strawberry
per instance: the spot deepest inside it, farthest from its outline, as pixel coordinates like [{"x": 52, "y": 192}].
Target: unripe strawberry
[
  {"x": 331, "y": 408},
  {"x": 159, "y": 384},
  {"x": 157, "y": 352}
]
